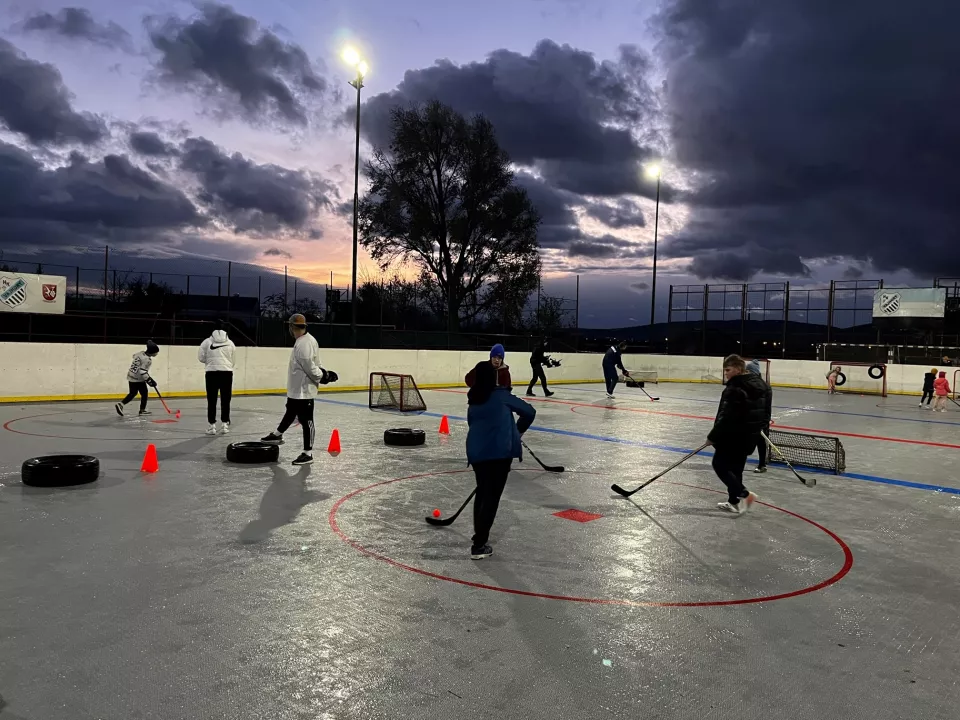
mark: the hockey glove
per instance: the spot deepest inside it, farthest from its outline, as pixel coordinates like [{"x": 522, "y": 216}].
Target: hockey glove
[{"x": 151, "y": 382}]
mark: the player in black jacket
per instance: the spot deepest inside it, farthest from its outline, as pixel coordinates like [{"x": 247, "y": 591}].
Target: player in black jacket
[
  {"x": 740, "y": 418},
  {"x": 763, "y": 452},
  {"x": 537, "y": 360}
]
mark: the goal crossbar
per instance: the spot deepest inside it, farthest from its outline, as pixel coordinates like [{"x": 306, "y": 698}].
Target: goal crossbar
[{"x": 394, "y": 391}]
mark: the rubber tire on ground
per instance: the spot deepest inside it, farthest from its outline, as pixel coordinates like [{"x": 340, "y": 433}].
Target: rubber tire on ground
[
  {"x": 841, "y": 379},
  {"x": 60, "y": 470},
  {"x": 252, "y": 453},
  {"x": 878, "y": 368},
  {"x": 404, "y": 437}
]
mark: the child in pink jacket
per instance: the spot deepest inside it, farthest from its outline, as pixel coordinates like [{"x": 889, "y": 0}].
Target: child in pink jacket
[{"x": 941, "y": 388}]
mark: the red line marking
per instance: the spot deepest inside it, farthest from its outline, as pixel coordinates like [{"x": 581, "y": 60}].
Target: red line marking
[
  {"x": 839, "y": 575},
  {"x": 881, "y": 438}
]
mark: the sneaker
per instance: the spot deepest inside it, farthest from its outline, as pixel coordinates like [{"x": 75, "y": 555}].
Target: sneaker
[
  {"x": 610, "y": 397},
  {"x": 549, "y": 393},
  {"x": 530, "y": 394},
  {"x": 730, "y": 507},
  {"x": 303, "y": 459},
  {"x": 760, "y": 469},
  {"x": 225, "y": 428},
  {"x": 212, "y": 430},
  {"x": 119, "y": 408},
  {"x": 748, "y": 501},
  {"x": 275, "y": 438},
  {"x": 479, "y": 553},
  {"x": 146, "y": 412}
]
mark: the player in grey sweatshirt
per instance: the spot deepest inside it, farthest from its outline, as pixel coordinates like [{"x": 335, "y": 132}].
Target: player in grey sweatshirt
[{"x": 138, "y": 378}]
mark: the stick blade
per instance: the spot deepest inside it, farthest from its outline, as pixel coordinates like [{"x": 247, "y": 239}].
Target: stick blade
[
  {"x": 554, "y": 468},
  {"x": 620, "y": 491},
  {"x": 440, "y": 522}
]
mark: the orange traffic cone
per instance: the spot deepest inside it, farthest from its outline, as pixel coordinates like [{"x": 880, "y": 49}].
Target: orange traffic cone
[
  {"x": 334, "y": 447},
  {"x": 444, "y": 426},
  {"x": 150, "y": 462}
]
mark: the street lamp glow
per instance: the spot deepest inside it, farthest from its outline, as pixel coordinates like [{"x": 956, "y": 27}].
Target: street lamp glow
[
  {"x": 653, "y": 171},
  {"x": 351, "y": 57},
  {"x": 362, "y": 68}
]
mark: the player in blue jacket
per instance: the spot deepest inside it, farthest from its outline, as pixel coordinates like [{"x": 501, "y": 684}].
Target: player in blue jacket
[
  {"x": 613, "y": 359},
  {"x": 493, "y": 441}
]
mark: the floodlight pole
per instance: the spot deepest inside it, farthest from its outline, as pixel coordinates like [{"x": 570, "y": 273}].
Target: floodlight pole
[
  {"x": 358, "y": 84},
  {"x": 653, "y": 284}
]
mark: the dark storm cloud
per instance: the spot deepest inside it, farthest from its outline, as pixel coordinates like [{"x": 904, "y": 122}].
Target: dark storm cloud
[
  {"x": 606, "y": 246},
  {"x": 110, "y": 200},
  {"x": 78, "y": 24},
  {"x": 251, "y": 197},
  {"x": 277, "y": 252},
  {"x": 150, "y": 144},
  {"x": 557, "y": 107},
  {"x": 227, "y": 59},
  {"x": 623, "y": 214},
  {"x": 35, "y": 103},
  {"x": 821, "y": 132}
]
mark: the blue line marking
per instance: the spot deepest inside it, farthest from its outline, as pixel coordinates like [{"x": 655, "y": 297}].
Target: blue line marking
[
  {"x": 787, "y": 407},
  {"x": 684, "y": 451}
]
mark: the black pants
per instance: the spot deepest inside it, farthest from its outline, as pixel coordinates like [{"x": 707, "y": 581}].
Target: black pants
[
  {"x": 137, "y": 387},
  {"x": 491, "y": 479},
  {"x": 301, "y": 410},
  {"x": 538, "y": 374},
  {"x": 763, "y": 451},
  {"x": 611, "y": 381},
  {"x": 219, "y": 382},
  {"x": 728, "y": 464},
  {"x": 927, "y": 395}
]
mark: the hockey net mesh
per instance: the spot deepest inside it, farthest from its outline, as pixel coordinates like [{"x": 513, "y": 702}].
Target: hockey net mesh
[
  {"x": 389, "y": 391},
  {"x": 857, "y": 378},
  {"x": 954, "y": 392},
  {"x": 811, "y": 451}
]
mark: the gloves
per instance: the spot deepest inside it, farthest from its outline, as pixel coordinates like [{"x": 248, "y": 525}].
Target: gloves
[
  {"x": 151, "y": 382},
  {"x": 328, "y": 376}
]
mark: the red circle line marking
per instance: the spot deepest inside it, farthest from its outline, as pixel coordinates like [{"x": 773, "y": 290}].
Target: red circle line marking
[
  {"x": 881, "y": 438},
  {"x": 839, "y": 575}
]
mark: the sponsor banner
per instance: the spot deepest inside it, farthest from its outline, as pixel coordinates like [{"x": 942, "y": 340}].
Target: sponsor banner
[
  {"x": 25, "y": 293},
  {"x": 909, "y": 303}
]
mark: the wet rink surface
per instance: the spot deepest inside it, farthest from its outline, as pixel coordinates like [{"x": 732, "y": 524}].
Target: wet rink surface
[{"x": 211, "y": 590}]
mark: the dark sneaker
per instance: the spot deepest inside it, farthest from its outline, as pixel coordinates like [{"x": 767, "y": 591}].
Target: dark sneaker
[
  {"x": 274, "y": 438},
  {"x": 303, "y": 459},
  {"x": 549, "y": 393},
  {"x": 146, "y": 412},
  {"x": 479, "y": 553},
  {"x": 119, "y": 408},
  {"x": 530, "y": 394}
]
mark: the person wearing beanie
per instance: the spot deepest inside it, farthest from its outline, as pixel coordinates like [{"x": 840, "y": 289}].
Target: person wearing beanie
[
  {"x": 493, "y": 441},
  {"x": 497, "y": 356},
  {"x": 216, "y": 353},
  {"x": 928, "y": 380},
  {"x": 941, "y": 388},
  {"x": 763, "y": 451},
  {"x": 304, "y": 376},
  {"x": 138, "y": 378},
  {"x": 538, "y": 359}
]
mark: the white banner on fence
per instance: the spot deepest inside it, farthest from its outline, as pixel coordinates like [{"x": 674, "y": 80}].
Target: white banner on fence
[
  {"x": 909, "y": 303},
  {"x": 25, "y": 293}
]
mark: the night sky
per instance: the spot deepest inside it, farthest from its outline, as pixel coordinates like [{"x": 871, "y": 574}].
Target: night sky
[{"x": 800, "y": 140}]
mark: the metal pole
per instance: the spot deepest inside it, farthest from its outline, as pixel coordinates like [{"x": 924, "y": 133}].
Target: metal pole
[
  {"x": 106, "y": 271},
  {"x": 653, "y": 284},
  {"x": 78, "y": 282},
  {"x": 286, "y": 307},
  {"x": 706, "y": 305},
  {"x": 229, "y": 279},
  {"x": 577, "y": 320},
  {"x": 830, "y": 310},
  {"x": 786, "y": 318},
  {"x": 358, "y": 84},
  {"x": 743, "y": 317}
]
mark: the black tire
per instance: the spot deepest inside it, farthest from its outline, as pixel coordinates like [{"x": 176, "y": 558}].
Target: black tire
[
  {"x": 879, "y": 369},
  {"x": 841, "y": 379},
  {"x": 60, "y": 470},
  {"x": 404, "y": 437},
  {"x": 252, "y": 453}
]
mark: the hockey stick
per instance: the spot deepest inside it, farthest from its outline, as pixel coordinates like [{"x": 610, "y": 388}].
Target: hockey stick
[
  {"x": 164, "y": 403},
  {"x": 809, "y": 482},
  {"x": 548, "y": 468},
  {"x": 449, "y": 521},
  {"x": 627, "y": 493},
  {"x": 649, "y": 395}
]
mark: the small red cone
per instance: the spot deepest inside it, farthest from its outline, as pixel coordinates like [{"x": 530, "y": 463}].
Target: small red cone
[
  {"x": 334, "y": 447},
  {"x": 178, "y": 414},
  {"x": 444, "y": 426},
  {"x": 150, "y": 462}
]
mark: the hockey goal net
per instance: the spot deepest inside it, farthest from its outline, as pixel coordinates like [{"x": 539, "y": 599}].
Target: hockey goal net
[
  {"x": 391, "y": 391},
  {"x": 862, "y": 378},
  {"x": 954, "y": 393},
  {"x": 812, "y": 451}
]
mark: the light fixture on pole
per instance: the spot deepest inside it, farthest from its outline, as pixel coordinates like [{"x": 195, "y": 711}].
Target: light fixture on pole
[
  {"x": 352, "y": 58},
  {"x": 654, "y": 171}
]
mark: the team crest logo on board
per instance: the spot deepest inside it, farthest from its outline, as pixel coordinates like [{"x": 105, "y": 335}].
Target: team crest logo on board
[
  {"x": 13, "y": 291},
  {"x": 49, "y": 292},
  {"x": 889, "y": 303}
]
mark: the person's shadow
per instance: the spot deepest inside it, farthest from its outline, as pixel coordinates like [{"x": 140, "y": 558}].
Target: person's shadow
[{"x": 281, "y": 503}]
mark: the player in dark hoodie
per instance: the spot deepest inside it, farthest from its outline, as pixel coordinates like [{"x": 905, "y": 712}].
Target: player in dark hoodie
[
  {"x": 740, "y": 418},
  {"x": 928, "y": 379},
  {"x": 763, "y": 452},
  {"x": 538, "y": 359}
]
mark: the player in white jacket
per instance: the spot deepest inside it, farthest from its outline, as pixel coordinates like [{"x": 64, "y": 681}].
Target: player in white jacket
[
  {"x": 138, "y": 378},
  {"x": 304, "y": 374},
  {"x": 216, "y": 353}
]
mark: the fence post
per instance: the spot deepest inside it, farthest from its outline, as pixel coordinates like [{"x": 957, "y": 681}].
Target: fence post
[
  {"x": 106, "y": 273},
  {"x": 743, "y": 317},
  {"x": 706, "y": 305},
  {"x": 219, "y": 286},
  {"x": 830, "y": 310},
  {"x": 78, "y": 284},
  {"x": 188, "y": 285},
  {"x": 229, "y": 280},
  {"x": 786, "y": 319},
  {"x": 286, "y": 306}
]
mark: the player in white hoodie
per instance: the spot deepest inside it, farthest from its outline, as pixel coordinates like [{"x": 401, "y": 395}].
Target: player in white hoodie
[
  {"x": 304, "y": 374},
  {"x": 138, "y": 378},
  {"x": 216, "y": 353}
]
